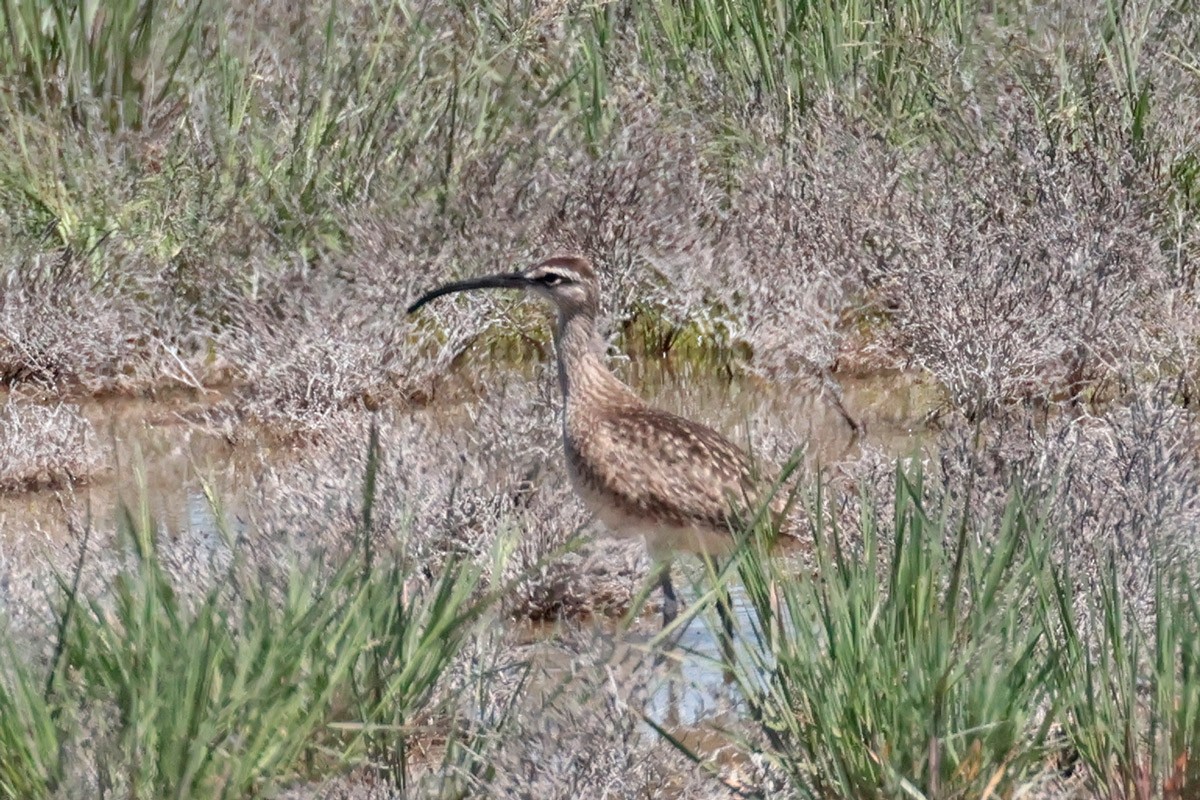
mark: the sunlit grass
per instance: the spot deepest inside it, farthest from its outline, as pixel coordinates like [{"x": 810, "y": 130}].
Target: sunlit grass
[
  {"x": 790, "y": 55},
  {"x": 292, "y": 131},
  {"x": 229, "y": 690},
  {"x": 1130, "y": 686},
  {"x": 912, "y": 671},
  {"x": 30, "y": 735},
  {"x": 940, "y": 666},
  {"x": 114, "y": 65}
]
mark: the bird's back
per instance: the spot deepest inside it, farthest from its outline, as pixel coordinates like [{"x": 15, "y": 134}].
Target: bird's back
[{"x": 648, "y": 472}]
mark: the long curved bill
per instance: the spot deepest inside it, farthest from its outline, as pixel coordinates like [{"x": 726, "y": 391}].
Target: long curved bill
[{"x": 512, "y": 280}]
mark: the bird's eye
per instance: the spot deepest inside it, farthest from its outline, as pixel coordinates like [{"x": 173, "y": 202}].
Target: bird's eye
[{"x": 551, "y": 279}]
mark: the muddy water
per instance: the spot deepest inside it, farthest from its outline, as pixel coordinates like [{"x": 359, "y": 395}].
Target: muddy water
[
  {"x": 158, "y": 442},
  {"x": 179, "y": 450}
]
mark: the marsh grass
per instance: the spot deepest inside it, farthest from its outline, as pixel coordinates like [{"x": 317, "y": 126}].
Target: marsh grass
[
  {"x": 113, "y": 65},
  {"x": 227, "y": 690},
  {"x": 789, "y": 56},
  {"x": 914, "y": 675},
  {"x": 209, "y": 701},
  {"x": 30, "y": 736},
  {"x": 940, "y": 664},
  {"x": 1131, "y": 690}
]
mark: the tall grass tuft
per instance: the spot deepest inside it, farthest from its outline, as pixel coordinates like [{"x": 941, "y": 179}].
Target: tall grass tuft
[
  {"x": 114, "y": 63},
  {"x": 214, "y": 696},
  {"x": 230, "y": 690},
  {"x": 788, "y": 56},
  {"x": 916, "y": 674},
  {"x": 1132, "y": 692},
  {"x": 30, "y": 740},
  {"x": 411, "y": 641}
]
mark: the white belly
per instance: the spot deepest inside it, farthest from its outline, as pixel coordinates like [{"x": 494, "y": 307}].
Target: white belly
[{"x": 662, "y": 541}]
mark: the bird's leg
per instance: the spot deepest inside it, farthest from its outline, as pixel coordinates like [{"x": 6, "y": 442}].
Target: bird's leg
[
  {"x": 670, "y": 606},
  {"x": 670, "y": 601}
]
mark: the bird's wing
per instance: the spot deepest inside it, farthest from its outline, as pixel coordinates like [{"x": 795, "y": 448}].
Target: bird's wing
[{"x": 665, "y": 467}]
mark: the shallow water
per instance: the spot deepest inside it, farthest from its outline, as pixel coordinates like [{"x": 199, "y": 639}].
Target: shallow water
[
  {"x": 171, "y": 446},
  {"x": 158, "y": 442},
  {"x": 179, "y": 452},
  {"x": 696, "y": 687}
]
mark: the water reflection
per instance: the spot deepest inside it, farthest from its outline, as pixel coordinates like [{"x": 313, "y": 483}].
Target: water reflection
[
  {"x": 179, "y": 458},
  {"x": 696, "y": 686}
]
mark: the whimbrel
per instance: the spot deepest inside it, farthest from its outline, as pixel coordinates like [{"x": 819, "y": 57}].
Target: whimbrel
[{"x": 642, "y": 471}]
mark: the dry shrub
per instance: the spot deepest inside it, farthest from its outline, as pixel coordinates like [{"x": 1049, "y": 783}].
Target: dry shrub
[
  {"x": 556, "y": 719},
  {"x": 450, "y": 483},
  {"x": 1027, "y": 271},
  {"x": 772, "y": 255},
  {"x": 1125, "y": 482},
  {"x": 638, "y": 209},
  {"x": 1019, "y": 269},
  {"x": 109, "y": 322},
  {"x": 1123, "y": 486},
  {"x": 46, "y": 446},
  {"x": 28, "y": 589},
  {"x": 768, "y": 256},
  {"x": 1126, "y": 486},
  {"x": 793, "y": 260},
  {"x": 315, "y": 344},
  {"x": 578, "y": 732},
  {"x": 57, "y": 331},
  {"x": 1132, "y": 479}
]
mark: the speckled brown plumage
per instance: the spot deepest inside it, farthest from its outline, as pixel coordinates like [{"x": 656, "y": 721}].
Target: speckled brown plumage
[
  {"x": 644, "y": 472},
  {"x": 678, "y": 483}
]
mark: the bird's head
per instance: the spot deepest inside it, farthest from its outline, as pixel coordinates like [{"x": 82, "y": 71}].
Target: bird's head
[{"x": 567, "y": 281}]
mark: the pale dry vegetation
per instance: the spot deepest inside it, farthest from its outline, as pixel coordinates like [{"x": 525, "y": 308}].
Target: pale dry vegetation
[
  {"x": 46, "y": 446},
  {"x": 1035, "y": 277},
  {"x": 999, "y": 200},
  {"x": 460, "y": 482},
  {"x": 1116, "y": 490}
]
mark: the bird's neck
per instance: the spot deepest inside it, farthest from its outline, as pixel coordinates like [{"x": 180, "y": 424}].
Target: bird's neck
[{"x": 581, "y": 368}]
